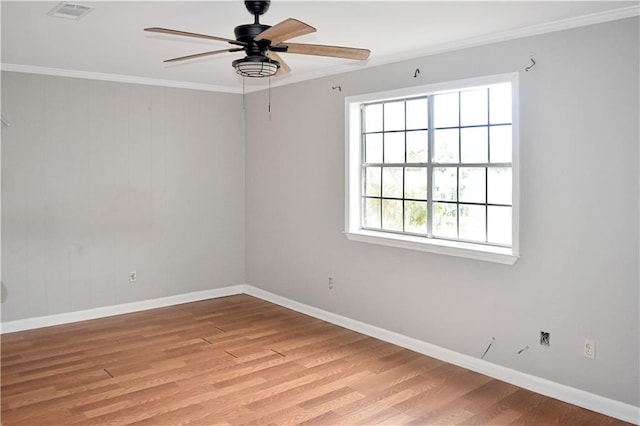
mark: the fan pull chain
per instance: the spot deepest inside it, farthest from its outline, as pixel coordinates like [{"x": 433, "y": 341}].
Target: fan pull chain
[
  {"x": 269, "y": 98},
  {"x": 243, "y": 93}
]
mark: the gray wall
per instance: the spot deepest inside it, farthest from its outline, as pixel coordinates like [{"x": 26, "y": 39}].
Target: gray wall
[
  {"x": 578, "y": 274},
  {"x": 100, "y": 179}
]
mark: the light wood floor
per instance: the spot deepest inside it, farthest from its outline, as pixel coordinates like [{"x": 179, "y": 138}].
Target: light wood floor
[{"x": 241, "y": 360}]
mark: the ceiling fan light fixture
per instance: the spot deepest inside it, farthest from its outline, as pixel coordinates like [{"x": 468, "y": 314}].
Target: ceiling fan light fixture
[{"x": 256, "y": 66}]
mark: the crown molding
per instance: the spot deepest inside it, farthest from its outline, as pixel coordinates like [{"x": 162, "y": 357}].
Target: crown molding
[
  {"x": 532, "y": 30},
  {"x": 118, "y": 78}
]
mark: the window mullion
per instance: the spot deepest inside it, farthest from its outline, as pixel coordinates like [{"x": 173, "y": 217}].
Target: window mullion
[
  {"x": 458, "y": 165},
  {"x": 430, "y": 135},
  {"x": 382, "y": 169},
  {"x": 404, "y": 168},
  {"x": 363, "y": 169},
  {"x": 486, "y": 170}
]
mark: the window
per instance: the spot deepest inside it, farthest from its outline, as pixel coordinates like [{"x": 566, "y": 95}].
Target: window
[{"x": 434, "y": 168}]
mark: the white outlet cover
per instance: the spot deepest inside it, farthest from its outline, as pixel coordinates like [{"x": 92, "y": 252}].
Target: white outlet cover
[{"x": 590, "y": 348}]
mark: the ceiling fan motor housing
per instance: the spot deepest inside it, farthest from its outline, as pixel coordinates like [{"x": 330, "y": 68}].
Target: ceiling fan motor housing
[{"x": 247, "y": 33}]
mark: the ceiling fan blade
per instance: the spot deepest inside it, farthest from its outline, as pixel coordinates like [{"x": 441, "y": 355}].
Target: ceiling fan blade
[
  {"x": 284, "y": 68},
  {"x": 200, "y": 55},
  {"x": 323, "y": 50},
  {"x": 285, "y": 30},
  {"x": 187, "y": 34}
]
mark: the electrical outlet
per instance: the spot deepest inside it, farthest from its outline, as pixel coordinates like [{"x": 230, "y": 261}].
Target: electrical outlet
[
  {"x": 330, "y": 283},
  {"x": 589, "y": 348},
  {"x": 545, "y": 338},
  {"x": 133, "y": 276}
]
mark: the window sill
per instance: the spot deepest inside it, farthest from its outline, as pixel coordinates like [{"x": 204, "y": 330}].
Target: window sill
[{"x": 450, "y": 248}]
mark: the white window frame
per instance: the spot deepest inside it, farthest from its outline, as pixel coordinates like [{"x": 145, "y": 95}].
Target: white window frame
[{"x": 353, "y": 137}]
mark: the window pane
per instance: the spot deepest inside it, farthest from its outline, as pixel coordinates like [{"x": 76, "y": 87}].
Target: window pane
[
  {"x": 373, "y": 118},
  {"x": 445, "y": 220},
  {"x": 445, "y": 185},
  {"x": 394, "y": 147},
  {"x": 417, "y": 147},
  {"x": 373, "y": 148},
  {"x": 372, "y": 180},
  {"x": 472, "y": 222},
  {"x": 499, "y": 222},
  {"x": 500, "y": 144},
  {"x": 394, "y": 116},
  {"x": 499, "y": 185},
  {"x": 415, "y": 183},
  {"x": 418, "y": 114},
  {"x": 445, "y": 146},
  {"x": 372, "y": 213},
  {"x": 392, "y": 215},
  {"x": 392, "y": 182},
  {"x": 473, "y": 143},
  {"x": 473, "y": 107},
  {"x": 445, "y": 110},
  {"x": 438, "y": 165},
  {"x": 415, "y": 217},
  {"x": 500, "y": 103},
  {"x": 472, "y": 185}
]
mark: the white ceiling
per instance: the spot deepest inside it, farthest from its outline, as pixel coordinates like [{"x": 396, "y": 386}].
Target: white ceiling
[{"x": 109, "y": 43}]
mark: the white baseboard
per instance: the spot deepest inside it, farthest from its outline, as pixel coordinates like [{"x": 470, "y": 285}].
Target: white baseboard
[
  {"x": 125, "y": 308},
  {"x": 542, "y": 386},
  {"x": 539, "y": 385}
]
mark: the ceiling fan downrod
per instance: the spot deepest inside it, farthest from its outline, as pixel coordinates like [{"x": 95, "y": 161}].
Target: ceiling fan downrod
[{"x": 257, "y": 8}]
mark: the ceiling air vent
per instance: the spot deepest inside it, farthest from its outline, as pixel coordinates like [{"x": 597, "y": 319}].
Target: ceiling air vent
[{"x": 70, "y": 11}]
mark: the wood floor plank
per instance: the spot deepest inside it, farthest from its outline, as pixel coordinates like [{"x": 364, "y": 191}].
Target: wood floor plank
[{"x": 241, "y": 360}]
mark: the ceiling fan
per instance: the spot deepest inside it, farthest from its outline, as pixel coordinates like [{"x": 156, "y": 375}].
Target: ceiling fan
[{"x": 262, "y": 43}]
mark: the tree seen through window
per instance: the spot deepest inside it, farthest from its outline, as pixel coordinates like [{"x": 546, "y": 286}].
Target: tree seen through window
[{"x": 440, "y": 165}]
